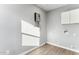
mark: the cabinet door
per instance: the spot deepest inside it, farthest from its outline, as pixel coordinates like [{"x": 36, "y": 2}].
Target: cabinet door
[
  {"x": 65, "y": 18},
  {"x": 74, "y": 16}
]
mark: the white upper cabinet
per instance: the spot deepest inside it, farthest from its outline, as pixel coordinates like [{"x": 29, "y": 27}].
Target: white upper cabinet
[
  {"x": 65, "y": 18},
  {"x": 74, "y": 16},
  {"x": 70, "y": 17}
]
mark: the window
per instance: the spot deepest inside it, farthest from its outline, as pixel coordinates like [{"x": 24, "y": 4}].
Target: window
[{"x": 30, "y": 34}]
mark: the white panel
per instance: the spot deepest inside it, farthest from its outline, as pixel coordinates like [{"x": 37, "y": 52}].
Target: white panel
[
  {"x": 65, "y": 18},
  {"x": 74, "y": 16},
  {"x": 30, "y": 41},
  {"x": 30, "y": 29}
]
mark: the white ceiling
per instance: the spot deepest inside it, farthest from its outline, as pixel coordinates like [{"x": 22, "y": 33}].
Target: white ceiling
[{"x": 48, "y": 7}]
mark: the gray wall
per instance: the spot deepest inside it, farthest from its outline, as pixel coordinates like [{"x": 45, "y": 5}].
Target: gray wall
[
  {"x": 55, "y": 30},
  {"x": 10, "y": 27}
]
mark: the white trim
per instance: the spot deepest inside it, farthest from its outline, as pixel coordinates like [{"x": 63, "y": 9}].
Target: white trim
[
  {"x": 42, "y": 44},
  {"x": 23, "y": 53},
  {"x": 63, "y": 47}
]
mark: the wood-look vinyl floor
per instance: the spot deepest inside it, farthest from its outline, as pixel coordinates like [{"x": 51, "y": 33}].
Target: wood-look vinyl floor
[{"x": 51, "y": 50}]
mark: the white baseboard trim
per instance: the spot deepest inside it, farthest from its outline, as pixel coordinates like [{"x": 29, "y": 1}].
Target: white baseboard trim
[
  {"x": 23, "y": 53},
  {"x": 63, "y": 47}
]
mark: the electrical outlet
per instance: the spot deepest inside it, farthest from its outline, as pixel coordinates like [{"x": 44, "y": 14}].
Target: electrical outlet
[
  {"x": 7, "y": 52},
  {"x": 72, "y": 46}
]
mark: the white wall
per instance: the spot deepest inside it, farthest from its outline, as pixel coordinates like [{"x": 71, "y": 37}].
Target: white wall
[
  {"x": 55, "y": 30},
  {"x": 10, "y": 27}
]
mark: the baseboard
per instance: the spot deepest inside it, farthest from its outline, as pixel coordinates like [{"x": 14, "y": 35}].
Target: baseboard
[
  {"x": 63, "y": 47},
  {"x": 23, "y": 53},
  {"x": 26, "y": 52}
]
